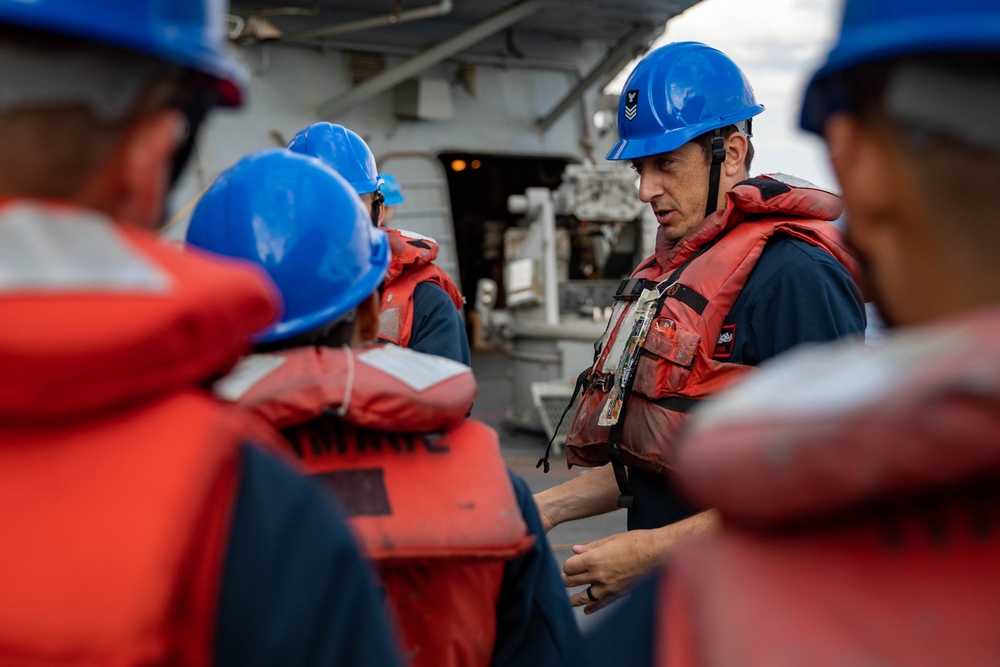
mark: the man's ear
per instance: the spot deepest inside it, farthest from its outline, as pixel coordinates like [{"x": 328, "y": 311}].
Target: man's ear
[
  {"x": 736, "y": 154},
  {"x": 132, "y": 186},
  {"x": 366, "y": 325}
]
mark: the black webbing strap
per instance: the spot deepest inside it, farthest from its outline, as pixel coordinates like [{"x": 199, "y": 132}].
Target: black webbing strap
[
  {"x": 677, "y": 403},
  {"x": 581, "y": 380},
  {"x": 626, "y": 497},
  {"x": 631, "y": 289},
  {"x": 688, "y": 296},
  {"x": 718, "y": 157},
  {"x": 195, "y": 116}
]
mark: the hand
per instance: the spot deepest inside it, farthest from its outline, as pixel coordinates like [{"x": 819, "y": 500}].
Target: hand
[{"x": 610, "y": 566}]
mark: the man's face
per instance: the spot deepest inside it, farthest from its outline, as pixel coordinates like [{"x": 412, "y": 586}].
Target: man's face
[
  {"x": 388, "y": 213},
  {"x": 675, "y": 185}
]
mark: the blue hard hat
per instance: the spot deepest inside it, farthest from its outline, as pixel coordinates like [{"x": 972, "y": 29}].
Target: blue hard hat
[
  {"x": 190, "y": 33},
  {"x": 343, "y": 150},
  {"x": 674, "y": 94},
  {"x": 391, "y": 190},
  {"x": 306, "y": 227},
  {"x": 878, "y": 29}
]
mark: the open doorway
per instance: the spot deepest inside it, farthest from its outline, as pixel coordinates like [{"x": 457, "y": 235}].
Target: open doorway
[{"x": 479, "y": 186}]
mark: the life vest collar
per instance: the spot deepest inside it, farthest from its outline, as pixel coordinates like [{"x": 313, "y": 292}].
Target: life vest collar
[
  {"x": 382, "y": 387},
  {"x": 409, "y": 251},
  {"x": 770, "y": 194},
  {"x": 828, "y": 429},
  {"x": 97, "y": 315}
]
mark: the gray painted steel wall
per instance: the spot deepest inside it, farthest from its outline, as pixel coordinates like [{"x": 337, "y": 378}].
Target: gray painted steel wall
[{"x": 288, "y": 83}]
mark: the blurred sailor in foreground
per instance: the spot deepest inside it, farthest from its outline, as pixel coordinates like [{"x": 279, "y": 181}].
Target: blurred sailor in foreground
[
  {"x": 744, "y": 270},
  {"x": 860, "y": 490},
  {"x": 458, "y": 543},
  {"x": 139, "y": 524}
]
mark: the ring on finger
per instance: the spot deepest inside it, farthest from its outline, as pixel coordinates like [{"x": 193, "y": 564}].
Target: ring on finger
[{"x": 590, "y": 594}]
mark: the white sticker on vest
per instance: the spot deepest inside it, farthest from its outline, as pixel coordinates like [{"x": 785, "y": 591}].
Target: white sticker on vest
[
  {"x": 245, "y": 375},
  {"x": 418, "y": 371},
  {"x": 610, "y": 361},
  {"x": 628, "y": 314},
  {"x": 642, "y": 316}
]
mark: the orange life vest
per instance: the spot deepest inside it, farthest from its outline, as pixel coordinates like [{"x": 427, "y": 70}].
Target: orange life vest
[
  {"x": 117, "y": 475},
  {"x": 412, "y": 257},
  {"x": 690, "y": 287},
  {"x": 860, "y": 500},
  {"x": 426, "y": 490}
]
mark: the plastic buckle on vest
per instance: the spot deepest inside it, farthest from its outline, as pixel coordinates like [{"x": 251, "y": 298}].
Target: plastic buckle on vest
[
  {"x": 627, "y": 497},
  {"x": 602, "y": 382},
  {"x": 622, "y": 286},
  {"x": 630, "y": 290}
]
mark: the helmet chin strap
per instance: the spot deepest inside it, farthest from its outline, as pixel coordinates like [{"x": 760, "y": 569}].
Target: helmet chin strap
[
  {"x": 195, "y": 116},
  {"x": 718, "y": 157},
  {"x": 378, "y": 202}
]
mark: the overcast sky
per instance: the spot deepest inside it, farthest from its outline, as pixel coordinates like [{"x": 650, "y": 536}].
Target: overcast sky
[{"x": 778, "y": 44}]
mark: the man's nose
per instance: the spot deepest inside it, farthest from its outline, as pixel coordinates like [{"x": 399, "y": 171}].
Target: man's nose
[{"x": 649, "y": 188}]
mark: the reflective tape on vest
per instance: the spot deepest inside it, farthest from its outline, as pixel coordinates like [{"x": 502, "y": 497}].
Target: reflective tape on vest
[{"x": 42, "y": 250}]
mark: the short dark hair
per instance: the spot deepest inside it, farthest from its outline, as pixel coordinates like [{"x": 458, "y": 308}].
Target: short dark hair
[
  {"x": 339, "y": 334},
  {"x": 705, "y": 141}
]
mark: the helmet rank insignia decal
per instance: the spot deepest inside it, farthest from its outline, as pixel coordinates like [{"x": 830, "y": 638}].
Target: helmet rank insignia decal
[{"x": 631, "y": 104}]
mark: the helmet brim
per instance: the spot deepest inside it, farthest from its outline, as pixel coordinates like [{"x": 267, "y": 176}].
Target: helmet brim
[
  {"x": 230, "y": 77},
  {"x": 633, "y": 149},
  {"x": 911, "y": 36}
]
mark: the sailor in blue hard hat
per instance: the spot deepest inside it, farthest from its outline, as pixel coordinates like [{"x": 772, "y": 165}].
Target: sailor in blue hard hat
[
  {"x": 926, "y": 71},
  {"x": 343, "y": 150},
  {"x": 421, "y": 305},
  {"x": 141, "y": 516},
  {"x": 686, "y": 92},
  {"x": 392, "y": 191},
  {"x": 310, "y": 232},
  {"x": 853, "y": 484},
  {"x": 744, "y": 269},
  {"x": 343, "y": 402}
]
